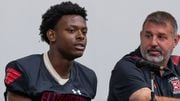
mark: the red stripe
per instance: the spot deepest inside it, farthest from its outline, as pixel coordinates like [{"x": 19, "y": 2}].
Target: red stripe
[
  {"x": 175, "y": 59},
  {"x": 12, "y": 70},
  {"x": 9, "y": 79},
  {"x": 11, "y": 75}
]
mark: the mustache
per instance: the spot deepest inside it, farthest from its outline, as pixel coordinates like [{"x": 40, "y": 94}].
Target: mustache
[{"x": 154, "y": 49}]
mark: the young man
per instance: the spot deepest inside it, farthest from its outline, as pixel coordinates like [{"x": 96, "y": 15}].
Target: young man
[
  {"x": 55, "y": 76},
  {"x": 131, "y": 77}
]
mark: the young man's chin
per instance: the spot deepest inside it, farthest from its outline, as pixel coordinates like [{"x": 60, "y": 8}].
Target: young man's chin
[{"x": 77, "y": 55}]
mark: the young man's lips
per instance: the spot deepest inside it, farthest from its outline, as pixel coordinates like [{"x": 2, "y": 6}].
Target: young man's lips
[{"x": 80, "y": 46}]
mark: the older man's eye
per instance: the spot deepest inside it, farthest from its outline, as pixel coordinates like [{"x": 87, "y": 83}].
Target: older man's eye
[
  {"x": 148, "y": 36},
  {"x": 161, "y": 37}
]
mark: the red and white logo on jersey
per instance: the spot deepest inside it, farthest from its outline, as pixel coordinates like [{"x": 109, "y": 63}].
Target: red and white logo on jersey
[
  {"x": 175, "y": 85},
  {"x": 12, "y": 75}
]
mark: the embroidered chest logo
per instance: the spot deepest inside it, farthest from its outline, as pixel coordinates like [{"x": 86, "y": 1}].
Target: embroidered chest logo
[{"x": 175, "y": 85}]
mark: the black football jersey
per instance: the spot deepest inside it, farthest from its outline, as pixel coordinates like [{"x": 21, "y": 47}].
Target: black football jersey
[{"x": 29, "y": 77}]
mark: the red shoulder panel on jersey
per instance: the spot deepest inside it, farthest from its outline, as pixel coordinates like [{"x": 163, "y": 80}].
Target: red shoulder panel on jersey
[
  {"x": 12, "y": 75},
  {"x": 176, "y": 59}
]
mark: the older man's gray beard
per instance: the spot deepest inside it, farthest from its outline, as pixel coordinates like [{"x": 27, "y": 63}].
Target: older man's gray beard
[{"x": 157, "y": 59}]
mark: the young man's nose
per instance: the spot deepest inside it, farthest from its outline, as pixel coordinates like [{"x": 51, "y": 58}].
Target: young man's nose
[{"x": 80, "y": 35}]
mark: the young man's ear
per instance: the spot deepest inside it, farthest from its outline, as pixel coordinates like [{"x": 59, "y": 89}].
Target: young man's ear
[{"x": 51, "y": 34}]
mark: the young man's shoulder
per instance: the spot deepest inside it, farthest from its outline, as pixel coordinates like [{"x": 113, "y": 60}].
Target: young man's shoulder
[
  {"x": 84, "y": 72},
  {"x": 83, "y": 68},
  {"x": 19, "y": 72},
  {"x": 86, "y": 77},
  {"x": 26, "y": 63},
  {"x": 30, "y": 58}
]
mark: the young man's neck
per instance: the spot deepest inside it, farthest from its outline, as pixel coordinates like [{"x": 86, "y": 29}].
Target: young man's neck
[{"x": 60, "y": 64}]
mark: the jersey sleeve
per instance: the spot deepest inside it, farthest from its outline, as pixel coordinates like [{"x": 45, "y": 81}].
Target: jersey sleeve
[
  {"x": 16, "y": 79},
  {"x": 125, "y": 79},
  {"x": 176, "y": 59},
  {"x": 94, "y": 84}
]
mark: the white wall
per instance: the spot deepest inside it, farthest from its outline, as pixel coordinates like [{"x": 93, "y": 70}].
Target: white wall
[{"x": 114, "y": 27}]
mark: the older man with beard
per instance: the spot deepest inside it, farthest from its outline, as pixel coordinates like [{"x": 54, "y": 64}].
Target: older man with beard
[{"x": 132, "y": 82}]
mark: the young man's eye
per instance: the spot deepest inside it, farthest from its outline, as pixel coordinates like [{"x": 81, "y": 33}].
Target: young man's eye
[
  {"x": 84, "y": 32},
  {"x": 71, "y": 30}
]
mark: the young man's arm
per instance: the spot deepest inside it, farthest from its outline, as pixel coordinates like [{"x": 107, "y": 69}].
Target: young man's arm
[{"x": 15, "y": 97}]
